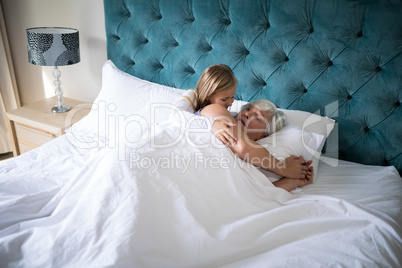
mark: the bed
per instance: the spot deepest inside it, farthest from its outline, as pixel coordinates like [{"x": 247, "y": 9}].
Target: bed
[{"x": 137, "y": 183}]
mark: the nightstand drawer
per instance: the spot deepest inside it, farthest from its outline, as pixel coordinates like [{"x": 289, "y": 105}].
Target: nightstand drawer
[
  {"x": 34, "y": 124},
  {"x": 25, "y": 148},
  {"x": 30, "y": 137}
]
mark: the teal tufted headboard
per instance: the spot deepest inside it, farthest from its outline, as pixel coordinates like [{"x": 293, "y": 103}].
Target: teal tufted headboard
[{"x": 340, "y": 58}]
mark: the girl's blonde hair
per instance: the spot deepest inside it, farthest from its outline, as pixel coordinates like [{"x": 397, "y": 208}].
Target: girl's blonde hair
[{"x": 214, "y": 79}]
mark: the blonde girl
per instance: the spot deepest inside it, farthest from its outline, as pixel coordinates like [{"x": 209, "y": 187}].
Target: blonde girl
[{"x": 217, "y": 84}]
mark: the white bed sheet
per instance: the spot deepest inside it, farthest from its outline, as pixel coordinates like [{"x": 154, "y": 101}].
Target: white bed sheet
[
  {"x": 377, "y": 187},
  {"x": 82, "y": 208},
  {"x": 53, "y": 164}
]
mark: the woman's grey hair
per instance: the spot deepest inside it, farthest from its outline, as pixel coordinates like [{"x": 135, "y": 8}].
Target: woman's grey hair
[
  {"x": 279, "y": 121},
  {"x": 278, "y": 118}
]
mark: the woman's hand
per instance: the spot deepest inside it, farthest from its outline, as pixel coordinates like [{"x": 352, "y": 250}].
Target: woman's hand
[
  {"x": 223, "y": 130},
  {"x": 289, "y": 184},
  {"x": 297, "y": 168}
]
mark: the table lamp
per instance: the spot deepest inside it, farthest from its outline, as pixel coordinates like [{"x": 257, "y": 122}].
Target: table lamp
[{"x": 54, "y": 46}]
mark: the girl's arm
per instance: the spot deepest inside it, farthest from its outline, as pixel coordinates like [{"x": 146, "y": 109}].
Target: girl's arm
[
  {"x": 187, "y": 102},
  {"x": 223, "y": 130}
]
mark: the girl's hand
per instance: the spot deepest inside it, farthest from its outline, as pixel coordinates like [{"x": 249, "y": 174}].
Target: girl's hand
[{"x": 223, "y": 130}]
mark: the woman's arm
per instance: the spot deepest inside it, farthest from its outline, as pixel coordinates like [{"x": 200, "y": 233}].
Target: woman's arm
[{"x": 250, "y": 151}]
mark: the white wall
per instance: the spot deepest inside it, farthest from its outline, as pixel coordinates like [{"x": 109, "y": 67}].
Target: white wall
[{"x": 81, "y": 81}]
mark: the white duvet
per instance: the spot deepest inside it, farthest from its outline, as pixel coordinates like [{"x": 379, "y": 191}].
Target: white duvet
[{"x": 177, "y": 206}]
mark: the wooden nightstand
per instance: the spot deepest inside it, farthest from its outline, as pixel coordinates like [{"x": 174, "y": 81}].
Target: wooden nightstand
[{"x": 34, "y": 124}]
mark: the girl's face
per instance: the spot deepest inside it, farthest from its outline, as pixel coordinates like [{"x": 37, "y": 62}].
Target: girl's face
[
  {"x": 224, "y": 98},
  {"x": 254, "y": 121}
]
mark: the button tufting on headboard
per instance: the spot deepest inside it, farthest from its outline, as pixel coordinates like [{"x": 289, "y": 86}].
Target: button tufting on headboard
[{"x": 339, "y": 58}]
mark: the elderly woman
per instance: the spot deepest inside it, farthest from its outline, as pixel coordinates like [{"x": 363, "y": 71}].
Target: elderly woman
[{"x": 255, "y": 122}]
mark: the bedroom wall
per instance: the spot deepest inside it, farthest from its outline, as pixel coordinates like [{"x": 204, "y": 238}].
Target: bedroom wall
[{"x": 80, "y": 81}]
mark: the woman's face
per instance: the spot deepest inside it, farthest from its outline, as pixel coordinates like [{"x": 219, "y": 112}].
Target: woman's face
[
  {"x": 254, "y": 121},
  {"x": 224, "y": 98}
]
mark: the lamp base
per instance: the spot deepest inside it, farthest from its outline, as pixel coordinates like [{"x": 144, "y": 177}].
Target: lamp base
[{"x": 61, "y": 109}]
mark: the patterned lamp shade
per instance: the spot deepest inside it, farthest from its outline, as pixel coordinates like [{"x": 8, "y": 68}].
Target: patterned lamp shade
[{"x": 53, "y": 46}]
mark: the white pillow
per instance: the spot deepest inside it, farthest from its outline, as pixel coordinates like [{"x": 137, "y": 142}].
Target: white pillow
[
  {"x": 125, "y": 99},
  {"x": 307, "y": 122},
  {"x": 292, "y": 140},
  {"x": 310, "y": 122}
]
